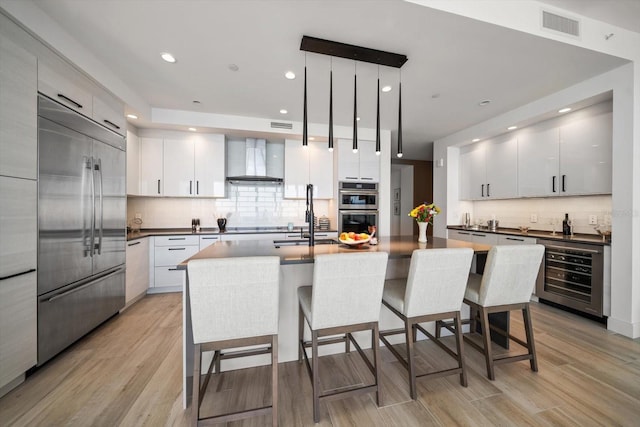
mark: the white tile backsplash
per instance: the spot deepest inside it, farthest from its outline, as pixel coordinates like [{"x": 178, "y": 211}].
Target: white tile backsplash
[
  {"x": 246, "y": 206},
  {"x": 515, "y": 213}
]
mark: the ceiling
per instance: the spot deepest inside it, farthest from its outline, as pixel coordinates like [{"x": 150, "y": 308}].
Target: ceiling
[{"x": 454, "y": 62}]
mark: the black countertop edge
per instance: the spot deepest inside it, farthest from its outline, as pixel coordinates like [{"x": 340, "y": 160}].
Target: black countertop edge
[
  {"x": 539, "y": 234},
  {"x": 213, "y": 231}
]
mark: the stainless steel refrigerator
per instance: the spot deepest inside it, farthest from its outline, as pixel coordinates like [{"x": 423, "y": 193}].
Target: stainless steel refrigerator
[{"x": 81, "y": 226}]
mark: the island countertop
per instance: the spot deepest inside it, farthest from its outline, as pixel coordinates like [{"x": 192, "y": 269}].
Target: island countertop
[{"x": 395, "y": 246}]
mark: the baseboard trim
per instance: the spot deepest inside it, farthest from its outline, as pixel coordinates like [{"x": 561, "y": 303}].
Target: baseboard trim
[{"x": 631, "y": 330}]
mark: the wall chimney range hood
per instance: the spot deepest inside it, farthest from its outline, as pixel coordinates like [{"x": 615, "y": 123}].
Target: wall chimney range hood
[{"x": 254, "y": 161}]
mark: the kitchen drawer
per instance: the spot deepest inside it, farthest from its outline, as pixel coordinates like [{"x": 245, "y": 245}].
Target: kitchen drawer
[
  {"x": 168, "y": 276},
  {"x": 186, "y": 240},
  {"x": 173, "y": 255},
  {"x": 516, "y": 240},
  {"x": 208, "y": 241}
]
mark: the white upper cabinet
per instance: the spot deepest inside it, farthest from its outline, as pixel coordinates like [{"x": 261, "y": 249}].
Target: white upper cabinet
[
  {"x": 501, "y": 159},
  {"x": 18, "y": 111},
  {"x": 489, "y": 170},
  {"x": 573, "y": 158},
  {"x": 209, "y": 173},
  {"x": 310, "y": 165},
  {"x": 65, "y": 84},
  {"x": 133, "y": 164},
  {"x": 361, "y": 166},
  {"x": 178, "y": 167},
  {"x": 109, "y": 112},
  {"x": 538, "y": 161},
  {"x": 151, "y": 163},
  {"x": 585, "y": 155}
]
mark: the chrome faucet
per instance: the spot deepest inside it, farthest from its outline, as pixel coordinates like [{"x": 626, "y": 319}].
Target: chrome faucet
[{"x": 308, "y": 215}]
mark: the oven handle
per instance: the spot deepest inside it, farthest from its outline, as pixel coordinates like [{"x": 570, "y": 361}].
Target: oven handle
[{"x": 589, "y": 251}]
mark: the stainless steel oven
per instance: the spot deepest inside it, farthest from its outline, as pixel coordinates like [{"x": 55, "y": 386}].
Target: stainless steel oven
[
  {"x": 357, "y": 221},
  {"x": 358, "y": 195},
  {"x": 573, "y": 276}
]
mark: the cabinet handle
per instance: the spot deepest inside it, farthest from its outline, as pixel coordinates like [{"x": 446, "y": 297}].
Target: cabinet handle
[
  {"x": 177, "y": 238},
  {"x": 209, "y": 238},
  {"x": 172, "y": 269},
  {"x": 190, "y": 187},
  {"x": 69, "y": 100},
  {"x": 365, "y": 178},
  {"x": 133, "y": 244},
  {"x": 351, "y": 177},
  {"x": 177, "y": 249},
  {"x": 488, "y": 195},
  {"x": 22, "y": 273},
  {"x": 553, "y": 184},
  {"x": 111, "y": 124},
  {"x": 482, "y": 190},
  {"x": 197, "y": 187},
  {"x": 563, "y": 183},
  {"x": 513, "y": 238},
  {"x": 158, "y": 186},
  {"x": 462, "y": 232},
  {"x": 479, "y": 235}
]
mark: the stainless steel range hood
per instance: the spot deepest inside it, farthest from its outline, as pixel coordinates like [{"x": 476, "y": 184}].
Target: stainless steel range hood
[{"x": 254, "y": 161}]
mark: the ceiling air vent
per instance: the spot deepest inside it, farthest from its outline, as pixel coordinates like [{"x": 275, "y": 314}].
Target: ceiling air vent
[
  {"x": 280, "y": 125},
  {"x": 560, "y": 23}
]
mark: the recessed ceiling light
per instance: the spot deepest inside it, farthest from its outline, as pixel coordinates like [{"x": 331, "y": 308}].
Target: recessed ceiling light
[
  {"x": 475, "y": 140},
  {"x": 290, "y": 75},
  {"x": 168, "y": 57},
  {"x": 484, "y": 103},
  {"x": 283, "y": 111},
  {"x": 233, "y": 67},
  {"x": 564, "y": 110},
  {"x": 132, "y": 116},
  {"x": 193, "y": 129},
  {"x": 386, "y": 88},
  {"x": 512, "y": 127}
]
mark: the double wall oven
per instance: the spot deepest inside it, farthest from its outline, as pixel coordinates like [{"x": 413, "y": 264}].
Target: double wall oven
[{"x": 357, "y": 206}]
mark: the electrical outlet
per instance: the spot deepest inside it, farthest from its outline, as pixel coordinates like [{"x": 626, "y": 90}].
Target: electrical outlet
[
  {"x": 533, "y": 218},
  {"x": 138, "y": 215},
  {"x": 593, "y": 219}
]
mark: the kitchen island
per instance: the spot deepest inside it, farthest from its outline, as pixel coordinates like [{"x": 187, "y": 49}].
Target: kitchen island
[{"x": 297, "y": 270}]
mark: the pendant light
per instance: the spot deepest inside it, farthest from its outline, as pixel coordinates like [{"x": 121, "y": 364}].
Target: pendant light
[
  {"x": 331, "y": 107},
  {"x": 305, "y": 135},
  {"x": 400, "y": 117},
  {"x": 378, "y": 117},
  {"x": 355, "y": 108}
]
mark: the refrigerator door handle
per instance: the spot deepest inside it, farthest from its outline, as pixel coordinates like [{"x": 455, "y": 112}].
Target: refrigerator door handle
[
  {"x": 87, "y": 239},
  {"x": 93, "y": 208},
  {"x": 101, "y": 200}
]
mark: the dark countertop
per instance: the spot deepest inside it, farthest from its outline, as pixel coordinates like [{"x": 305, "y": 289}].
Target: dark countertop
[
  {"x": 395, "y": 246},
  {"x": 213, "y": 231},
  {"x": 539, "y": 234}
]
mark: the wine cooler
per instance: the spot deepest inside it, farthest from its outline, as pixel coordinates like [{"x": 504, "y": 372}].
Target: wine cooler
[{"x": 573, "y": 276}]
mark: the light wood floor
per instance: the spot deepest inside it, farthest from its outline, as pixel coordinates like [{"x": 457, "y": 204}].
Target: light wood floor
[{"x": 128, "y": 372}]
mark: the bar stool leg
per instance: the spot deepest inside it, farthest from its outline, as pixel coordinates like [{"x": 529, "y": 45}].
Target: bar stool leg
[
  {"x": 460, "y": 350},
  {"x": 531, "y": 347},
  {"x": 316, "y": 377},
  {"x": 412, "y": 375},
  {"x": 300, "y": 333},
  {"x": 195, "y": 394},
  {"x": 375, "y": 335},
  {"x": 486, "y": 336},
  {"x": 274, "y": 380},
  {"x": 347, "y": 343}
]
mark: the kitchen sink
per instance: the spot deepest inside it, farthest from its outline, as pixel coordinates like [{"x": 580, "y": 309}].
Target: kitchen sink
[{"x": 303, "y": 242}]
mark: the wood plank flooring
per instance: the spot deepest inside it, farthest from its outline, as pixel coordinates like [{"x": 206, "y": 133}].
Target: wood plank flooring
[{"x": 128, "y": 373}]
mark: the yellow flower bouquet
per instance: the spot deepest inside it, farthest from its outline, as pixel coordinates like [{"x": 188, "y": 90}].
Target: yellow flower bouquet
[{"x": 425, "y": 213}]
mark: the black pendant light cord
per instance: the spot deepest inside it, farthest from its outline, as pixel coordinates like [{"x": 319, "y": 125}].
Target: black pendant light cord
[
  {"x": 304, "y": 113},
  {"x": 331, "y": 107},
  {"x": 400, "y": 116},
  {"x": 355, "y": 108},
  {"x": 378, "y": 116}
]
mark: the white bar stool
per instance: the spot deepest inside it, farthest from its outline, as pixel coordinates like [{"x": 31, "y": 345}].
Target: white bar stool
[
  {"x": 507, "y": 283},
  {"x": 345, "y": 298},
  {"x": 234, "y": 303},
  {"x": 433, "y": 290}
]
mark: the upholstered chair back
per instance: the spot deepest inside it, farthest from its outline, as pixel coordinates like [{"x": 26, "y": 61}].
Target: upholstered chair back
[
  {"x": 437, "y": 281},
  {"x": 510, "y": 274},
  {"x": 233, "y": 297},
  {"x": 347, "y": 288}
]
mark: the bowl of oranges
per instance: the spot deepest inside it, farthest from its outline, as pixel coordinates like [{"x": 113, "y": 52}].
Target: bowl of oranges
[{"x": 354, "y": 240}]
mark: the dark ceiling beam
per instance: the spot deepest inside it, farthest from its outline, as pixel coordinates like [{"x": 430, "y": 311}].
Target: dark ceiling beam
[{"x": 349, "y": 51}]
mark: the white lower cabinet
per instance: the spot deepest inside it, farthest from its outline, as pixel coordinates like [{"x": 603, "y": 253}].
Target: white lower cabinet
[
  {"x": 169, "y": 251},
  {"x": 137, "y": 275},
  {"x": 209, "y": 240},
  {"x": 474, "y": 236}
]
